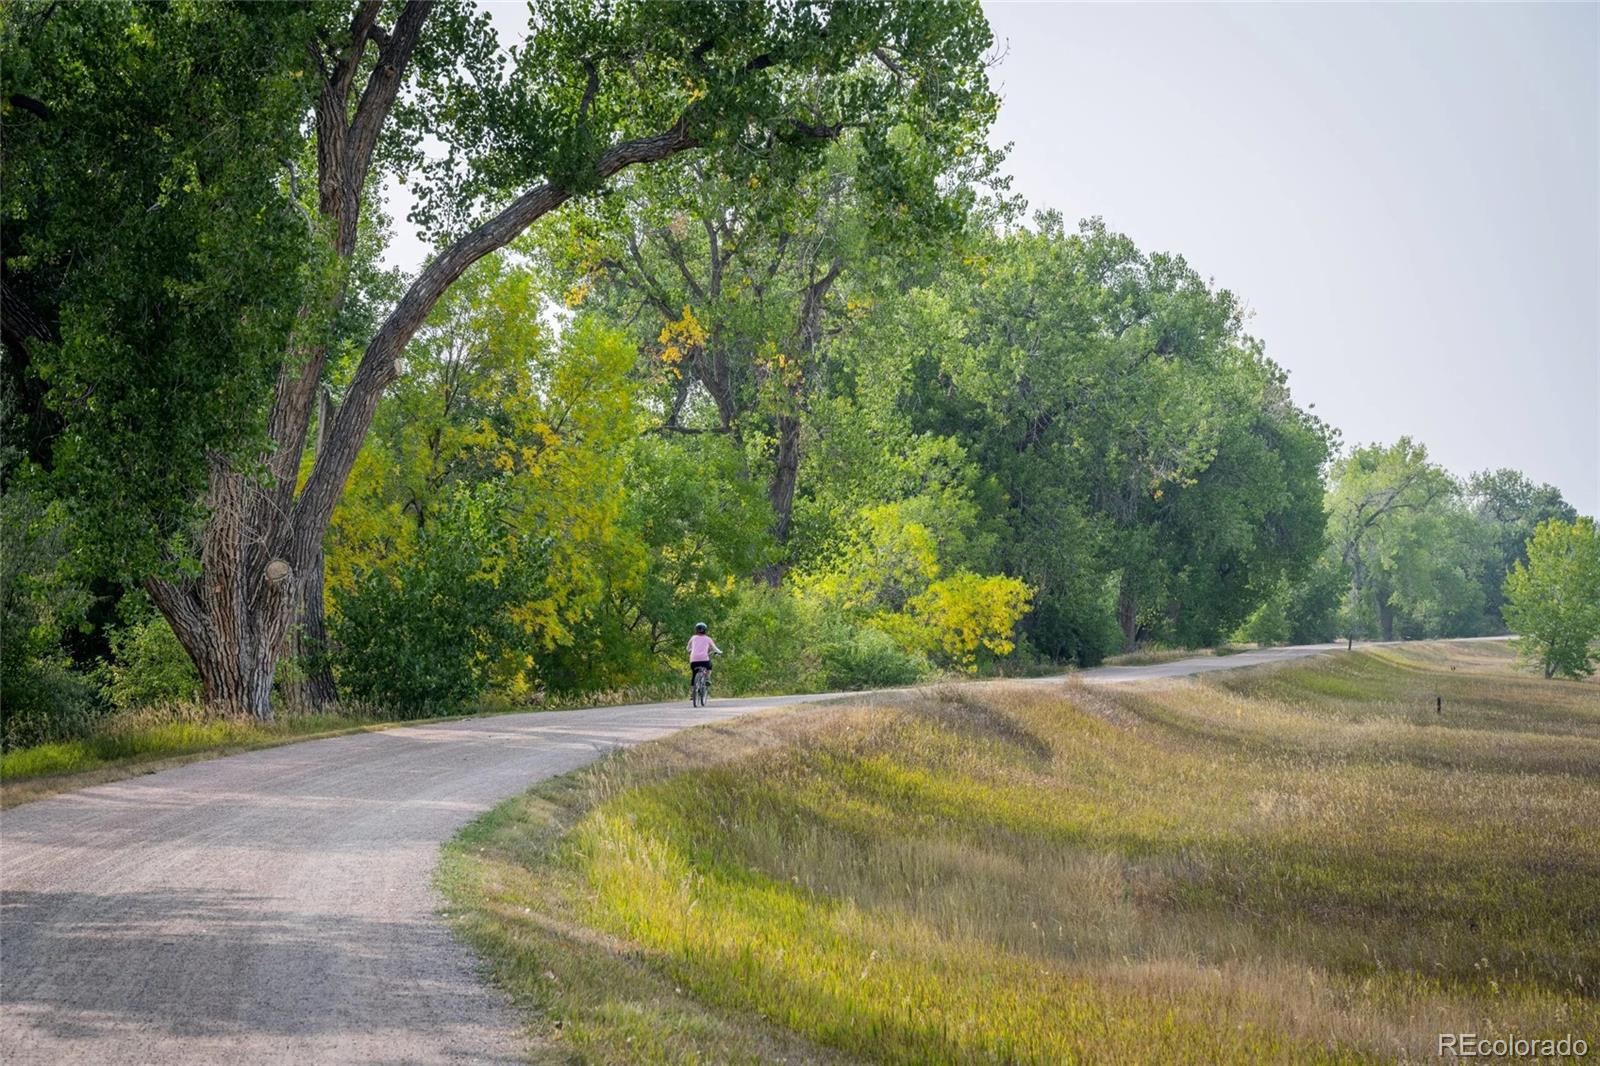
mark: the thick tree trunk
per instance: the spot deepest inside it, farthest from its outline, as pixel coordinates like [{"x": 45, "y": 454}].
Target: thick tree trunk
[
  {"x": 1128, "y": 615},
  {"x": 233, "y": 618}
]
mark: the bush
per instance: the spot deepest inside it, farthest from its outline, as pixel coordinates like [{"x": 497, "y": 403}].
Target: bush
[
  {"x": 1269, "y": 622},
  {"x": 1081, "y": 629},
  {"x": 148, "y": 665},
  {"x": 42, "y": 701},
  {"x": 869, "y": 658},
  {"x": 959, "y": 619},
  {"x": 41, "y": 698},
  {"x": 425, "y": 638},
  {"x": 772, "y": 640}
]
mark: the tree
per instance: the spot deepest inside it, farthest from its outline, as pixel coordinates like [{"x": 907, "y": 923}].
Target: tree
[
  {"x": 1132, "y": 431},
  {"x": 1379, "y": 499},
  {"x": 1510, "y": 507},
  {"x": 746, "y": 282},
  {"x": 497, "y": 408},
  {"x": 1553, "y": 600},
  {"x": 593, "y": 91},
  {"x": 426, "y": 633},
  {"x": 153, "y": 255}
]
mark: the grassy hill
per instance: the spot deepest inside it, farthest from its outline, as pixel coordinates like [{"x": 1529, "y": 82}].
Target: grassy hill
[{"x": 1298, "y": 863}]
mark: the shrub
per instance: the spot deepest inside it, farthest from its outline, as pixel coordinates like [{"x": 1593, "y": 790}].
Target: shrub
[
  {"x": 772, "y": 639},
  {"x": 869, "y": 658},
  {"x": 41, "y": 698},
  {"x": 424, "y": 639},
  {"x": 1269, "y": 622},
  {"x": 42, "y": 701},
  {"x": 148, "y": 665},
  {"x": 961, "y": 618}
]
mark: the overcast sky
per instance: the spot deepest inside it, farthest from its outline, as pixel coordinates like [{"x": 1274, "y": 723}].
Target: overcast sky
[{"x": 1407, "y": 197}]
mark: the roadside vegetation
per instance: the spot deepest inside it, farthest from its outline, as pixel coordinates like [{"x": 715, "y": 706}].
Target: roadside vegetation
[
  {"x": 152, "y": 739},
  {"x": 1312, "y": 862}
]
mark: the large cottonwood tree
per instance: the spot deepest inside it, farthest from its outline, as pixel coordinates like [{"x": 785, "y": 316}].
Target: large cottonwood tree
[{"x": 592, "y": 91}]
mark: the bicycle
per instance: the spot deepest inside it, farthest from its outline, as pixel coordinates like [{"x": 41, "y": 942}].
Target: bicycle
[{"x": 702, "y": 681}]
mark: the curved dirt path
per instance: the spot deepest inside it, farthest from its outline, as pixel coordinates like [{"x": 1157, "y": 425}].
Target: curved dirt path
[{"x": 276, "y": 906}]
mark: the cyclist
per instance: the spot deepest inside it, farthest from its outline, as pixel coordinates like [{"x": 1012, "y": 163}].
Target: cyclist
[{"x": 701, "y": 648}]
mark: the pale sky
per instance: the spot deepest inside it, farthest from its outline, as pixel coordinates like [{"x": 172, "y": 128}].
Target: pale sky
[{"x": 1407, "y": 197}]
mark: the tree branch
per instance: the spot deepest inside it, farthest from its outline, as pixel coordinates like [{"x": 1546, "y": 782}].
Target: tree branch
[{"x": 377, "y": 367}]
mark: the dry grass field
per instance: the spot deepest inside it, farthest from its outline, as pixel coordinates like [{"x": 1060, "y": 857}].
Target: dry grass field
[{"x": 1299, "y": 863}]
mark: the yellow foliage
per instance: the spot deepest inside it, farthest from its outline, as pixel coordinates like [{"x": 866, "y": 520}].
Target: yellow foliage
[
  {"x": 886, "y": 561},
  {"x": 551, "y": 421},
  {"x": 681, "y": 337},
  {"x": 957, "y": 617}
]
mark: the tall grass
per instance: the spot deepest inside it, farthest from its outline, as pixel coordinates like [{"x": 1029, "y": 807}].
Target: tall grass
[
  {"x": 168, "y": 731},
  {"x": 1297, "y": 863}
]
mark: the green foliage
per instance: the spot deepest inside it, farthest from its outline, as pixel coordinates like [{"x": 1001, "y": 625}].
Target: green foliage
[
  {"x": 1127, "y": 428},
  {"x": 148, "y": 226},
  {"x": 1268, "y": 623},
  {"x": 424, "y": 635},
  {"x": 493, "y": 403},
  {"x": 1509, "y": 507},
  {"x": 779, "y": 640},
  {"x": 1553, "y": 600},
  {"x": 41, "y": 697},
  {"x": 818, "y": 353},
  {"x": 1411, "y": 551},
  {"x": 859, "y": 658},
  {"x": 148, "y": 665},
  {"x": 1313, "y": 603}
]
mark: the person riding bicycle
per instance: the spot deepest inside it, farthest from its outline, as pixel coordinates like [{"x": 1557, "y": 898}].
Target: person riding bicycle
[{"x": 701, "y": 648}]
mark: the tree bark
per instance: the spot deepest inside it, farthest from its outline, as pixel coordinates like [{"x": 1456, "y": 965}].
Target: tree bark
[
  {"x": 312, "y": 689},
  {"x": 788, "y": 424},
  {"x": 233, "y": 618},
  {"x": 780, "y": 490}
]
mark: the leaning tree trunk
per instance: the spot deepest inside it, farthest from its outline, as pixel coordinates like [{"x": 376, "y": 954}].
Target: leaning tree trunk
[{"x": 312, "y": 687}]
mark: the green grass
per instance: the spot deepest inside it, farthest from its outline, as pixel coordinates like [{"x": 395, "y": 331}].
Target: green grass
[
  {"x": 154, "y": 739},
  {"x": 159, "y": 741},
  {"x": 1298, "y": 863}
]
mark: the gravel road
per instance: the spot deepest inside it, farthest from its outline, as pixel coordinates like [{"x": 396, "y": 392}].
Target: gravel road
[{"x": 276, "y": 906}]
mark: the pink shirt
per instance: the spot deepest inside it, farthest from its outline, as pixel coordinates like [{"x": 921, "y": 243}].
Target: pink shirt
[{"x": 701, "y": 647}]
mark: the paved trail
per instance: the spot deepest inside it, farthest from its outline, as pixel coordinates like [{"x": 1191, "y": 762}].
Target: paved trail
[{"x": 276, "y": 907}]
